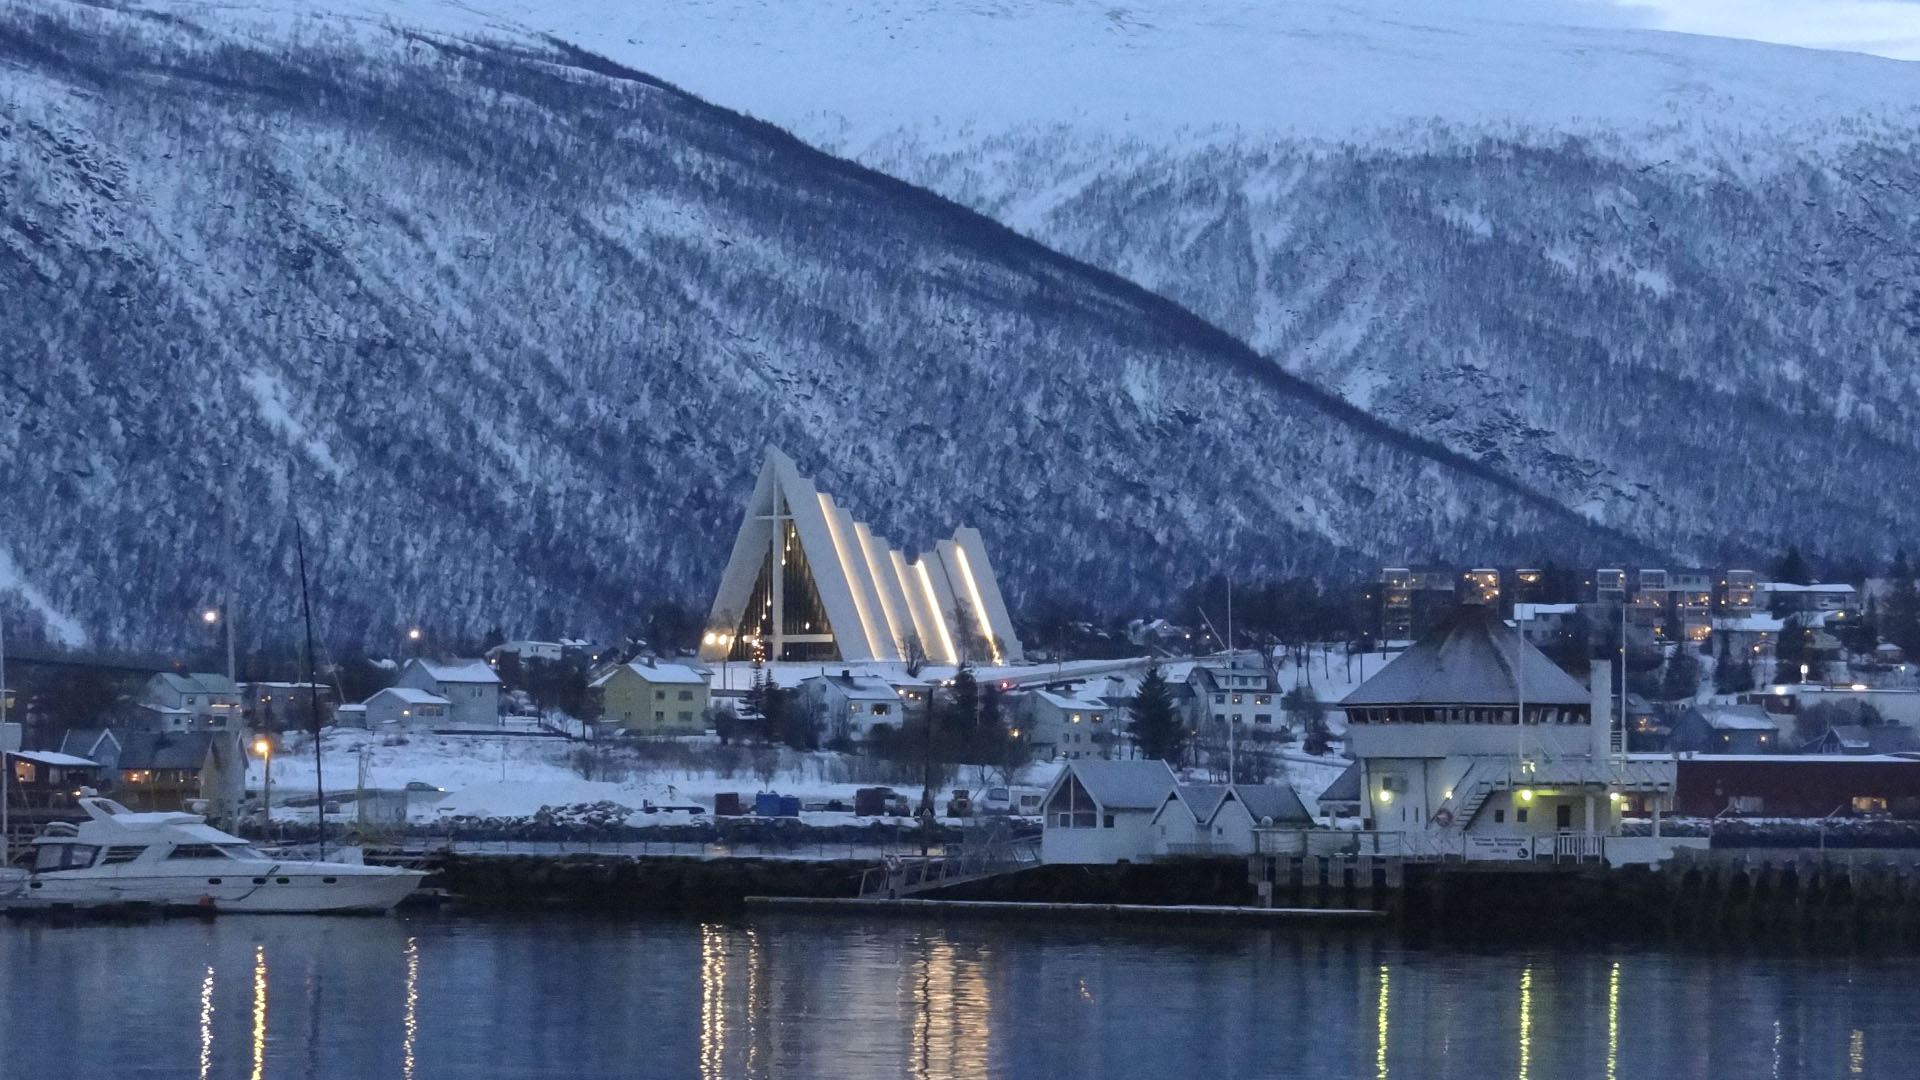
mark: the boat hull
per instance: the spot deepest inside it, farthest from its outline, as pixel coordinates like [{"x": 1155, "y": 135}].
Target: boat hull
[{"x": 305, "y": 889}]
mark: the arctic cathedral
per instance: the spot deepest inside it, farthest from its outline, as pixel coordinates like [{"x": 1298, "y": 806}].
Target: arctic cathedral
[{"x": 806, "y": 582}]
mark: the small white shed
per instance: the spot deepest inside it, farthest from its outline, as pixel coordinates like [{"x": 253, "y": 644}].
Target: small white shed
[{"x": 1102, "y": 811}]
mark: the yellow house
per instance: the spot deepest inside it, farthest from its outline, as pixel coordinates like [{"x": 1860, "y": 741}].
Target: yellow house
[{"x": 653, "y": 698}]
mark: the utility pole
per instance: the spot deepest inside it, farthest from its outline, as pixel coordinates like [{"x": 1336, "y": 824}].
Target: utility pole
[{"x": 6, "y": 766}]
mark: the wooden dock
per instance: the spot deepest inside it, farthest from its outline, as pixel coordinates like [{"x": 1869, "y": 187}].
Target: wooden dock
[{"x": 1202, "y": 913}]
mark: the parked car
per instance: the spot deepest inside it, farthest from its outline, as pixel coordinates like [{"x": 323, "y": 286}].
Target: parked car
[
  {"x": 996, "y": 800},
  {"x": 880, "y": 802},
  {"x": 422, "y": 785}
]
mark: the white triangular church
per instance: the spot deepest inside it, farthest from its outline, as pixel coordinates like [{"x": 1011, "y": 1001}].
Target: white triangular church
[{"x": 806, "y": 582}]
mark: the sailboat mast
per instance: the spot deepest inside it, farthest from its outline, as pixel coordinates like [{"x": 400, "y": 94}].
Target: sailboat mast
[{"x": 313, "y": 690}]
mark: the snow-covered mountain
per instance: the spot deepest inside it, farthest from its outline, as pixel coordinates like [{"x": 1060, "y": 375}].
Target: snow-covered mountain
[
  {"x": 506, "y": 328},
  {"x": 1670, "y": 280}
]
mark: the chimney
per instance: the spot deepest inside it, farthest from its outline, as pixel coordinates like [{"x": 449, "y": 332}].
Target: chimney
[{"x": 1601, "y": 684}]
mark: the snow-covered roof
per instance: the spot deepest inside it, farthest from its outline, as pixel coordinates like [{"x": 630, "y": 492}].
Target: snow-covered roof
[
  {"x": 1345, "y": 787},
  {"x": 87, "y": 740},
  {"x": 1469, "y": 660},
  {"x": 459, "y": 671},
  {"x": 409, "y": 695},
  {"x": 1123, "y": 785},
  {"x": 1751, "y": 624},
  {"x": 1789, "y": 587},
  {"x": 858, "y": 687},
  {"x": 53, "y": 757},
  {"x": 1276, "y": 801},
  {"x": 1071, "y": 703},
  {"x": 351, "y": 708},
  {"x": 196, "y": 682},
  {"x": 667, "y": 673},
  {"x": 1737, "y": 718},
  {"x": 1528, "y": 612},
  {"x": 1202, "y": 799}
]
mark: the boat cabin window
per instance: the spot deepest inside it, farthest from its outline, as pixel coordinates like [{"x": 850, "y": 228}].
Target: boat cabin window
[
  {"x": 240, "y": 851},
  {"x": 195, "y": 851},
  {"x": 64, "y": 856},
  {"x": 121, "y": 854}
]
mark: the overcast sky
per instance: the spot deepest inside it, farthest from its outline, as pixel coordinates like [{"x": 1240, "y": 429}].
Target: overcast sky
[{"x": 1883, "y": 27}]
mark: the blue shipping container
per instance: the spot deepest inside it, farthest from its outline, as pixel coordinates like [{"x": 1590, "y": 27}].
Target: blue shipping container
[{"x": 766, "y": 804}]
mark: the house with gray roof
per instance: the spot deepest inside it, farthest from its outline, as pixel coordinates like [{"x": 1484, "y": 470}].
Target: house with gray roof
[
  {"x": 1221, "y": 819},
  {"x": 165, "y": 770},
  {"x": 404, "y": 707},
  {"x": 209, "y": 702},
  {"x": 1100, "y": 811},
  {"x": 470, "y": 688},
  {"x": 1725, "y": 729}
]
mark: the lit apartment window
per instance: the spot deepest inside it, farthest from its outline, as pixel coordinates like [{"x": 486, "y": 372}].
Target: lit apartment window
[
  {"x": 1236, "y": 699},
  {"x": 1263, "y": 699}
]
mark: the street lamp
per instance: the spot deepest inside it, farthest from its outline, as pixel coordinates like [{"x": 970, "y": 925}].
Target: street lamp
[{"x": 264, "y": 747}]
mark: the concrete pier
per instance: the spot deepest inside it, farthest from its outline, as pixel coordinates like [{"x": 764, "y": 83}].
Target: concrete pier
[{"x": 1198, "y": 913}]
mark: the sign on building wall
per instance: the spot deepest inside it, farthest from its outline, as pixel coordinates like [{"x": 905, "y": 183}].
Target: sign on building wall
[{"x": 1499, "y": 848}]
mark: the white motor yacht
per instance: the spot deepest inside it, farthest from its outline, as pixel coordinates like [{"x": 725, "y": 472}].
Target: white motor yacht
[{"x": 175, "y": 860}]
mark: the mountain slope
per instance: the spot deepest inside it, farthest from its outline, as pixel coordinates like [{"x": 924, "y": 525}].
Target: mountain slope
[
  {"x": 506, "y": 328},
  {"x": 1668, "y": 280}
]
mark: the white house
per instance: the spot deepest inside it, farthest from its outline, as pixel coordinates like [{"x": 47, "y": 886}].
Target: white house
[
  {"x": 851, "y": 704},
  {"x": 1100, "y": 811},
  {"x": 212, "y": 701},
  {"x": 1063, "y": 724},
  {"x": 1220, "y": 819},
  {"x": 404, "y": 706},
  {"x": 1238, "y": 691},
  {"x": 469, "y": 687}
]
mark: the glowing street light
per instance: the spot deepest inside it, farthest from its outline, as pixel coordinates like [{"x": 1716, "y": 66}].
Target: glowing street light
[
  {"x": 264, "y": 747},
  {"x": 210, "y": 616},
  {"x": 413, "y": 634}
]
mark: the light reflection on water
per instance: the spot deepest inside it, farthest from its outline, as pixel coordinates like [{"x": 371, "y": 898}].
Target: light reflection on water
[{"x": 794, "y": 997}]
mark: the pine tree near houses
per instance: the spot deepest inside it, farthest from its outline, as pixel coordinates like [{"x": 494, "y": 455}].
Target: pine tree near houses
[{"x": 1156, "y": 724}]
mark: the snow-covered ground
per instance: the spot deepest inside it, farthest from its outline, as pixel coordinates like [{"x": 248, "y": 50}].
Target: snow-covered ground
[{"x": 516, "y": 775}]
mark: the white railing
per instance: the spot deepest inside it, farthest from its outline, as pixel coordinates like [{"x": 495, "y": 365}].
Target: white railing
[{"x": 1577, "y": 846}]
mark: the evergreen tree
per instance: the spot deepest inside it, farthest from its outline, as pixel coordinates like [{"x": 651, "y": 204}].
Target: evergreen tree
[
  {"x": 1682, "y": 679},
  {"x": 1792, "y": 568},
  {"x": 1900, "y": 622},
  {"x": 963, "y": 706},
  {"x": 1156, "y": 724}
]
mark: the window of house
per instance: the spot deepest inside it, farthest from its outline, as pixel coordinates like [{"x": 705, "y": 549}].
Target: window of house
[
  {"x": 1107, "y": 822},
  {"x": 659, "y": 717},
  {"x": 191, "y": 701},
  {"x": 686, "y": 695},
  {"x": 1263, "y": 718},
  {"x": 659, "y": 695},
  {"x": 883, "y": 709},
  {"x": 1236, "y": 718},
  {"x": 686, "y": 716},
  {"x": 1499, "y": 817},
  {"x": 1076, "y": 718},
  {"x": 23, "y": 772},
  {"x": 1219, "y": 699},
  {"x": 1520, "y": 815},
  {"x": 1868, "y": 804},
  {"x": 1236, "y": 699},
  {"x": 1096, "y": 718},
  {"x": 1263, "y": 699},
  {"x": 853, "y": 706}
]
